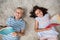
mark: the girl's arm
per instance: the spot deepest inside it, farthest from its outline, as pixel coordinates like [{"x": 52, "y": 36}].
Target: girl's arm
[{"x": 40, "y": 30}]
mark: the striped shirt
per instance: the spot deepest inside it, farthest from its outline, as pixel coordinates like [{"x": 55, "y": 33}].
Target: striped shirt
[{"x": 17, "y": 25}]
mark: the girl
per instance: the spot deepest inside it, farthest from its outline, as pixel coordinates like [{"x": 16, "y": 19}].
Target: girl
[{"x": 42, "y": 20}]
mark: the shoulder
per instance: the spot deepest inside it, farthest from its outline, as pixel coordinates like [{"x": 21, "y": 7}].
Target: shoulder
[
  {"x": 37, "y": 18},
  {"x": 47, "y": 14},
  {"x": 10, "y": 18},
  {"x": 22, "y": 20}
]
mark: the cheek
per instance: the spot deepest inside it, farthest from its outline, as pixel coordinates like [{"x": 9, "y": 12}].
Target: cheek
[
  {"x": 20, "y": 15},
  {"x": 41, "y": 13},
  {"x": 16, "y": 15},
  {"x": 38, "y": 14}
]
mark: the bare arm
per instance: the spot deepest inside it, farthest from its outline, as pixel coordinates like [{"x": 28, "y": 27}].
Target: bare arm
[
  {"x": 22, "y": 32},
  {"x": 40, "y": 30}
]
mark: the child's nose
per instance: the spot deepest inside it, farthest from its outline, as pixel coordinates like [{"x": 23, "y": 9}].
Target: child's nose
[{"x": 46, "y": 39}]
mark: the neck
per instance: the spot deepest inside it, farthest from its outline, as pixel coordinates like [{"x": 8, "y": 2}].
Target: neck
[
  {"x": 17, "y": 18},
  {"x": 41, "y": 16}
]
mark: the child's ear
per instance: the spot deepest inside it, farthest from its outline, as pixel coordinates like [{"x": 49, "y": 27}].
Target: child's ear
[{"x": 5, "y": 26}]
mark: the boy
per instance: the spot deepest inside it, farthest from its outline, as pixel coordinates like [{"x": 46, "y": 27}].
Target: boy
[{"x": 16, "y": 21}]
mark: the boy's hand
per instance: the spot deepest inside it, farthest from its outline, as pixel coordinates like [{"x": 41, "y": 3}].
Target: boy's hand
[
  {"x": 14, "y": 33},
  {"x": 21, "y": 33}
]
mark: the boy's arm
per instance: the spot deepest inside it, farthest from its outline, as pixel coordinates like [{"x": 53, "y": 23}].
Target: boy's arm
[{"x": 22, "y": 32}]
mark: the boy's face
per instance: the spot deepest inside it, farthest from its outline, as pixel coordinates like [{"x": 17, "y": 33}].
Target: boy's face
[{"x": 18, "y": 13}]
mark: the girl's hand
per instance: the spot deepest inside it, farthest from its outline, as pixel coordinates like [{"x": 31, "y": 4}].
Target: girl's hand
[{"x": 48, "y": 29}]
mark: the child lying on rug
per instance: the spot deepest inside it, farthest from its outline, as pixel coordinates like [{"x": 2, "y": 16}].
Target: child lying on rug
[
  {"x": 17, "y": 22},
  {"x": 42, "y": 20}
]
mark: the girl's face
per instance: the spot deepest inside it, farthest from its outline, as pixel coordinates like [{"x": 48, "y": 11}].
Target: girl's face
[
  {"x": 38, "y": 13},
  {"x": 18, "y": 13}
]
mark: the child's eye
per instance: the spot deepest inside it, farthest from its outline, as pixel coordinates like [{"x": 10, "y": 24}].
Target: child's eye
[
  {"x": 36, "y": 13},
  {"x": 39, "y": 11},
  {"x": 18, "y": 12}
]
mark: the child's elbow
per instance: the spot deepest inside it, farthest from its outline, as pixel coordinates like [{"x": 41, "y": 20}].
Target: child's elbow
[{"x": 36, "y": 30}]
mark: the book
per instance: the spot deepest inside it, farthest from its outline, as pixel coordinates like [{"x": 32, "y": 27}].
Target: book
[
  {"x": 53, "y": 25},
  {"x": 6, "y": 30},
  {"x": 55, "y": 21}
]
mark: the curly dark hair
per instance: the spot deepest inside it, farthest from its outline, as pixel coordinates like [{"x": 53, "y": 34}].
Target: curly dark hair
[{"x": 44, "y": 11}]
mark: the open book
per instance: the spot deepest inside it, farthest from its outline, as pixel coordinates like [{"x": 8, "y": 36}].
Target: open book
[
  {"x": 6, "y": 30},
  {"x": 55, "y": 21}
]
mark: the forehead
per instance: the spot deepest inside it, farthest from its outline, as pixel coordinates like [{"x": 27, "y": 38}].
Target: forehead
[
  {"x": 19, "y": 10},
  {"x": 37, "y": 10}
]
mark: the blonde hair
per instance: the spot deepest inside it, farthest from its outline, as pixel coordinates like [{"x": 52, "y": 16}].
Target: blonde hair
[{"x": 20, "y": 8}]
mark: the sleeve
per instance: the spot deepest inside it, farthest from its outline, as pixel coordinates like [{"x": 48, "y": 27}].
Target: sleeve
[
  {"x": 37, "y": 19},
  {"x": 8, "y": 21},
  {"x": 47, "y": 15},
  {"x": 23, "y": 25}
]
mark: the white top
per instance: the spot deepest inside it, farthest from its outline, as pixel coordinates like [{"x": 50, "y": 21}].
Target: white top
[{"x": 43, "y": 23}]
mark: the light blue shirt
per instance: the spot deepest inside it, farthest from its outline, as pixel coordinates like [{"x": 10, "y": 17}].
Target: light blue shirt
[
  {"x": 10, "y": 37},
  {"x": 17, "y": 25}
]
